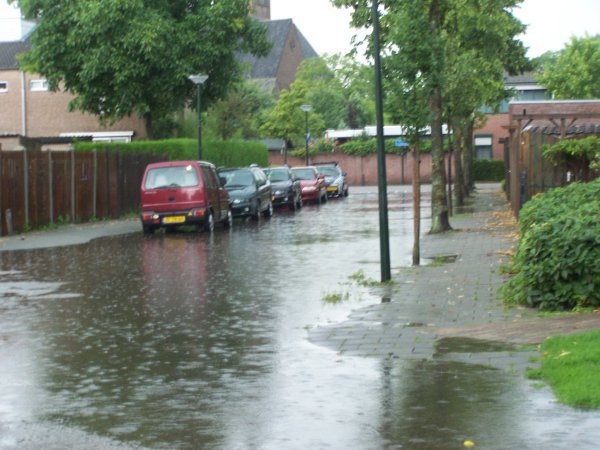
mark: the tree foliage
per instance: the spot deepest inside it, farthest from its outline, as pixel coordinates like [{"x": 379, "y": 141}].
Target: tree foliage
[
  {"x": 241, "y": 113},
  {"x": 124, "y": 56},
  {"x": 575, "y": 72},
  {"x": 443, "y": 59},
  {"x": 336, "y": 89},
  {"x": 287, "y": 121}
]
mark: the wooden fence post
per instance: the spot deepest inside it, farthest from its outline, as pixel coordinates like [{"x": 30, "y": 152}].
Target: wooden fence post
[
  {"x": 95, "y": 186},
  {"x": 26, "y": 186},
  {"x": 72, "y": 154},
  {"x": 50, "y": 188}
]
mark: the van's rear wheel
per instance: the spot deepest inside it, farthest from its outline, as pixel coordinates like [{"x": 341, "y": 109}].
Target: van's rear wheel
[
  {"x": 209, "y": 224},
  {"x": 228, "y": 222},
  {"x": 148, "y": 229}
]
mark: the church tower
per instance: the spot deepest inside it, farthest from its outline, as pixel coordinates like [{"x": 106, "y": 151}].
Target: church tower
[{"x": 261, "y": 9}]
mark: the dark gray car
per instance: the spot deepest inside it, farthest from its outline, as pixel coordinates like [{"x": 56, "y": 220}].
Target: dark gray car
[
  {"x": 286, "y": 188},
  {"x": 249, "y": 190}
]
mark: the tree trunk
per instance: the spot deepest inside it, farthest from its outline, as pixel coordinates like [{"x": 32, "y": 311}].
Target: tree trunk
[
  {"x": 459, "y": 192},
  {"x": 149, "y": 126},
  {"x": 439, "y": 198},
  {"x": 416, "y": 188},
  {"x": 468, "y": 157}
]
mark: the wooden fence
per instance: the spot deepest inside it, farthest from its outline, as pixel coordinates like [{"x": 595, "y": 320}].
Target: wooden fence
[
  {"x": 531, "y": 173},
  {"x": 39, "y": 188}
]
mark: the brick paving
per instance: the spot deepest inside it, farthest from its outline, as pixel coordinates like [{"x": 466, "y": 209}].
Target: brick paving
[{"x": 440, "y": 309}]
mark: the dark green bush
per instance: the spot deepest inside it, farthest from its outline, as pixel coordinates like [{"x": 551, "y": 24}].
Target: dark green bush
[
  {"x": 557, "y": 264},
  {"x": 488, "y": 170},
  {"x": 220, "y": 153}
]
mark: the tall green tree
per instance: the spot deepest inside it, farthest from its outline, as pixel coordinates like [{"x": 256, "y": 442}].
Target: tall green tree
[
  {"x": 336, "y": 89},
  {"x": 134, "y": 56},
  {"x": 442, "y": 34},
  {"x": 287, "y": 121},
  {"x": 241, "y": 113},
  {"x": 575, "y": 72}
]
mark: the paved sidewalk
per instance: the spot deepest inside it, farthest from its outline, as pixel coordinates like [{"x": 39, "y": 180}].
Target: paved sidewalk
[
  {"x": 432, "y": 307},
  {"x": 69, "y": 234}
]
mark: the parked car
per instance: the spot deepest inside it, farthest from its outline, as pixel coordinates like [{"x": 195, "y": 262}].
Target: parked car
[
  {"x": 286, "y": 188},
  {"x": 250, "y": 192},
  {"x": 335, "y": 179},
  {"x": 181, "y": 193},
  {"x": 312, "y": 184}
]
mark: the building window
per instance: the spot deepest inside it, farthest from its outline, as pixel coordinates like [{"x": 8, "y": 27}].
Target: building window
[
  {"x": 3, "y": 86},
  {"x": 483, "y": 147},
  {"x": 38, "y": 85}
]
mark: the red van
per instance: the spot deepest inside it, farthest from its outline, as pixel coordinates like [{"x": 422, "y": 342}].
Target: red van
[{"x": 178, "y": 193}]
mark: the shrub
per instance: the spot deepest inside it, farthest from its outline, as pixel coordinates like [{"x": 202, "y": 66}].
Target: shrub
[
  {"x": 557, "y": 264},
  {"x": 220, "y": 153},
  {"x": 488, "y": 170}
]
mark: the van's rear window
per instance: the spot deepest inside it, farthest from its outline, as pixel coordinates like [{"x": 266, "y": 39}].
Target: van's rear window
[{"x": 165, "y": 177}]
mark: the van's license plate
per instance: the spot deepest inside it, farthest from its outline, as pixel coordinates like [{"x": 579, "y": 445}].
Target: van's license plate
[{"x": 174, "y": 219}]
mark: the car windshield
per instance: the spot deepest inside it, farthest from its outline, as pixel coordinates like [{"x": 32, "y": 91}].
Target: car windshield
[
  {"x": 305, "y": 174},
  {"x": 329, "y": 171},
  {"x": 238, "y": 178},
  {"x": 179, "y": 176},
  {"x": 279, "y": 175}
]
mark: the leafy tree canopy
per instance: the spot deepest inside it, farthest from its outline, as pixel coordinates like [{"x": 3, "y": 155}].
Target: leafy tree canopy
[
  {"x": 123, "y": 56},
  {"x": 575, "y": 72},
  {"x": 241, "y": 113},
  {"x": 287, "y": 120}
]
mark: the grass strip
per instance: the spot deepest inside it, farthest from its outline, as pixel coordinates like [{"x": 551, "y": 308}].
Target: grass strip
[{"x": 571, "y": 366}]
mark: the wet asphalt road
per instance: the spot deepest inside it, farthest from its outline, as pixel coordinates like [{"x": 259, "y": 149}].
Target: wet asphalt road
[{"x": 189, "y": 340}]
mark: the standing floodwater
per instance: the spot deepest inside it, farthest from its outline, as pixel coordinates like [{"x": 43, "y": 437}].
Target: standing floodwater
[{"x": 188, "y": 340}]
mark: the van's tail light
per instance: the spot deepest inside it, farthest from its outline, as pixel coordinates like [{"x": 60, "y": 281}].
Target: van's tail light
[
  {"x": 198, "y": 212},
  {"x": 147, "y": 215}
]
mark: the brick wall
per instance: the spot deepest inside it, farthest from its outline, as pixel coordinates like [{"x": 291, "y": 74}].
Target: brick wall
[
  {"x": 47, "y": 112},
  {"x": 362, "y": 171},
  {"x": 494, "y": 126},
  {"x": 290, "y": 60}
]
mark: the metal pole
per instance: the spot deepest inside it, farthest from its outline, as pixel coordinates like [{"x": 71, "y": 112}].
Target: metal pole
[
  {"x": 306, "y": 136},
  {"x": 199, "y": 126},
  {"x": 384, "y": 235}
]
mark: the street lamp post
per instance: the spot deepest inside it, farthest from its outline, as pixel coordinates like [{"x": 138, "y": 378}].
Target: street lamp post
[
  {"x": 199, "y": 80},
  {"x": 306, "y": 109},
  {"x": 384, "y": 234}
]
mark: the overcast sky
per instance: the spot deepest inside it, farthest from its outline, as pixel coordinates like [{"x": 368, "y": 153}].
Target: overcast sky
[{"x": 551, "y": 23}]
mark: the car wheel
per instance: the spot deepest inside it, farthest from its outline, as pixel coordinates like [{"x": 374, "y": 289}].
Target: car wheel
[
  {"x": 300, "y": 202},
  {"x": 209, "y": 224},
  {"x": 319, "y": 199},
  {"x": 293, "y": 205},
  {"x": 269, "y": 211},
  {"x": 325, "y": 197},
  {"x": 256, "y": 213},
  {"x": 228, "y": 222},
  {"x": 148, "y": 229},
  {"x": 346, "y": 192}
]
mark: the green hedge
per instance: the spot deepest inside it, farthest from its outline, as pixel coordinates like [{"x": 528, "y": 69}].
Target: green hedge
[
  {"x": 488, "y": 170},
  {"x": 557, "y": 264},
  {"x": 220, "y": 153}
]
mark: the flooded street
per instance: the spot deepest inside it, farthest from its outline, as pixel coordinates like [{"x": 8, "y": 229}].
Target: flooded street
[{"x": 185, "y": 340}]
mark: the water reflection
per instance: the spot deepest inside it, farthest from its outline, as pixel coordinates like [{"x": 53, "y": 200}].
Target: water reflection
[{"x": 186, "y": 340}]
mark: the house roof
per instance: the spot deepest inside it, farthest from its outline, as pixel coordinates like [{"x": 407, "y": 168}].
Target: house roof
[
  {"x": 9, "y": 52},
  {"x": 277, "y": 33}
]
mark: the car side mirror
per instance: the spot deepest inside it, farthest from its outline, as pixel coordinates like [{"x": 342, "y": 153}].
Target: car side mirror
[
  {"x": 223, "y": 181},
  {"x": 344, "y": 173},
  {"x": 321, "y": 177}
]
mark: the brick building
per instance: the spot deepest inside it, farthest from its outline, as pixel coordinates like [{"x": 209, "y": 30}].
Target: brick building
[
  {"x": 29, "y": 109},
  {"x": 489, "y": 139}
]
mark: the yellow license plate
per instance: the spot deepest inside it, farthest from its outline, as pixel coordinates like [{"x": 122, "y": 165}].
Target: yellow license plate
[
  {"x": 174, "y": 219},
  {"x": 273, "y": 198},
  {"x": 331, "y": 189}
]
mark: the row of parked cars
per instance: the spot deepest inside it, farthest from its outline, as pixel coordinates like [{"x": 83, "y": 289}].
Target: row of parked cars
[{"x": 179, "y": 193}]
